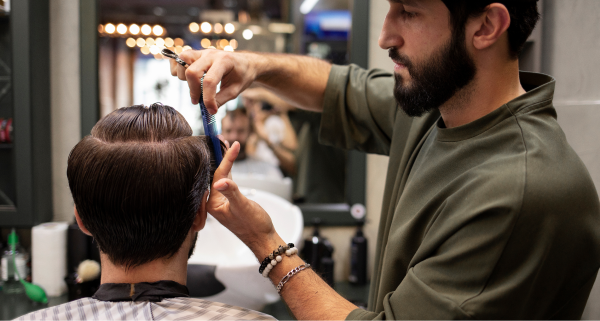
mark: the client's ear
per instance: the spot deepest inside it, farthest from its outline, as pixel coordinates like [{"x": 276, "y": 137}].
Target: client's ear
[
  {"x": 200, "y": 219},
  {"x": 81, "y": 227}
]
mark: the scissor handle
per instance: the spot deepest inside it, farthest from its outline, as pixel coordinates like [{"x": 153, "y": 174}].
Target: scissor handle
[{"x": 169, "y": 53}]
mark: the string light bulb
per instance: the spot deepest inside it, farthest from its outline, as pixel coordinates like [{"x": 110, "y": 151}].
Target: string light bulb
[
  {"x": 169, "y": 42},
  {"x": 205, "y": 27},
  {"x": 146, "y": 30},
  {"x": 140, "y": 42},
  {"x": 121, "y": 29},
  {"x": 110, "y": 28},
  {"x": 134, "y": 29},
  {"x": 248, "y": 34},
  {"x": 218, "y": 28},
  {"x": 229, "y": 28},
  {"x": 130, "y": 42},
  {"x": 158, "y": 30},
  {"x": 205, "y": 43},
  {"x": 194, "y": 27}
]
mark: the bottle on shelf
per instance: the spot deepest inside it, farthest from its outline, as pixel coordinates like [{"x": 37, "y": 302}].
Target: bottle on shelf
[
  {"x": 358, "y": 257},
  {"x": 13, "y": 255}
]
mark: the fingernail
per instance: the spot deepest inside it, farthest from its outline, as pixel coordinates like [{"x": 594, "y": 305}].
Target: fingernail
[
  {"x": 222, "y": 187},
  {"x": 194, "y": 101}
]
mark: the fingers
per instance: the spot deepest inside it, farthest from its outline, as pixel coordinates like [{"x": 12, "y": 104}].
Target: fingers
[
  {"x": 194, "y": 75},
  {"x": 230, "y": 190},
  {"x": 173, "y": 67},
  {"x": 227, "y": 162}
]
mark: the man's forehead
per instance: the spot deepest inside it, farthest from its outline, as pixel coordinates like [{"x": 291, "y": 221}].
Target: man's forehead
[{"x": 412, "y": 3}]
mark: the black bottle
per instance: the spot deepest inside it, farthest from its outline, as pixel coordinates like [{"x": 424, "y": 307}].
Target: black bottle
[
  {"x": 327, "y": 264},
  {"x": 358, "y": 257}
]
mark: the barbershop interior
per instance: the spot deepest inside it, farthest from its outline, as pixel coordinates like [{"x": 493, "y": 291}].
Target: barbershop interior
[{"x": 67, "y": 64}]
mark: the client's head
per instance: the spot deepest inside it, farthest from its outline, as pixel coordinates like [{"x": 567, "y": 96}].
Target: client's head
[
  {"x": 140, "y": 183},
  {"x": 235, "y": 127}
]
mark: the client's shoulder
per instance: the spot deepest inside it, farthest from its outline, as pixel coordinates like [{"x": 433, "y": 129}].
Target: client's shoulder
[{"x": 199, "y": 309}]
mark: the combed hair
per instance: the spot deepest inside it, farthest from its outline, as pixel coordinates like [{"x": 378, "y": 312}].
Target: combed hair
[
  {"x": 138, "y": 182},
  {"x": 524, "y": 16}
]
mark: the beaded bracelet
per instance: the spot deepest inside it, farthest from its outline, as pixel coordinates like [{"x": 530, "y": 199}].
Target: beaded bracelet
[
  {"x": 290, "y": 274},
  {"x": 270, "y": 261}
]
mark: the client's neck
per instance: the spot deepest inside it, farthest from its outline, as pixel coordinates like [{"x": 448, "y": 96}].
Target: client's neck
[{"x": 173, "y": 269}]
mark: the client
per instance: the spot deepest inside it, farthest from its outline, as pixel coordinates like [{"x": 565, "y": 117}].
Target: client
[{"x": 140, "y": 184}]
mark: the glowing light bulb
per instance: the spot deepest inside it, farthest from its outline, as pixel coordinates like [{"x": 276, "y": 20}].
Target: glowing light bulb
[
  {"x": 134, "y": 29},
  {"x": 145, "y": 50},
  {"x": 109, "y": 28},
  {"x": 205, "y": 43},
  {"x": 121, "y": 29},
  {"x": 248, "y": 34},
  {"x": 228, "y": 48},
  {"x": 150, "y": 42},
  {"x": 146, "y": 30},
  {"x": 186, "y": 48},
  {"x": 194, "y": 27},
  {"x": 159, "y": 42},
  {"x": 233, "y": 43},
  {"x": 178, "y": 42},
  {"x": 130, "y": 42},
  {"x": 205, "y": 27},
  {"x": 169, "y": 42},
  {"x": 218, "y": 28},
  {"x": 140, "y": 42},
  {"x": 223, "y": 43},
  {"x": 178, "y": 49},
  {"x": 154, "y": 49},
  {"x": 229, "y": 28},
  {"x": 158, "y": 30}
]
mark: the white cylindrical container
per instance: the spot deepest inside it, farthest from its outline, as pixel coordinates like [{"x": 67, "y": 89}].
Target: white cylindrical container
[{"x": 49, "y": 257}]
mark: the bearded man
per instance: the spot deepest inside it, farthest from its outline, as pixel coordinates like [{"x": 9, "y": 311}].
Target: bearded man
[{"x": 488, "y": 213}]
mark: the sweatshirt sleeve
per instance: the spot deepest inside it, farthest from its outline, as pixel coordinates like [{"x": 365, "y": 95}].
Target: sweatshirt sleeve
[{"x": 359, "y": 110}]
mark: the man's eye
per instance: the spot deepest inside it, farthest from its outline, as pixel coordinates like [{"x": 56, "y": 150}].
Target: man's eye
[{"x": 408, "y": 14}]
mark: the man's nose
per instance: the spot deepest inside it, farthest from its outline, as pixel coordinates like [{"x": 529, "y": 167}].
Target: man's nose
[{"x": 390, "y": 34}]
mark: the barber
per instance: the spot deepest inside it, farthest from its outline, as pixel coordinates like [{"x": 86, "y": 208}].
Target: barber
[{"x": 487, "y": 212}]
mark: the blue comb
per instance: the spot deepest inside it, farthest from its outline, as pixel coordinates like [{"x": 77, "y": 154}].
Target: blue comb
[{"x": 210, "y": 128}]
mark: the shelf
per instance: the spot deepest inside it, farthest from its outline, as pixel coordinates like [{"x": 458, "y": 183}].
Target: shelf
[{"x": 6, "y": 146}]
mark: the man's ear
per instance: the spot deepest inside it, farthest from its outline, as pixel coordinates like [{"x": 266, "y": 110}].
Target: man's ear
[
  {"x": 200, "y": 219},
  {"x": 81, "y": 227},
  {"x": 490, "y": 27}
]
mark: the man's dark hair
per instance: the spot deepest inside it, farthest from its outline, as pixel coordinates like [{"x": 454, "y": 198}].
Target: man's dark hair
[
  {"x": 238, "y": 112},
  {"x": 524, "y": 16},
  {"x": 138, "y": 182}
]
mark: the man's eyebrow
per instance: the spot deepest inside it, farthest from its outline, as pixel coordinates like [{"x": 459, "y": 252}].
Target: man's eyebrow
[{"x": 412, "y": 3}]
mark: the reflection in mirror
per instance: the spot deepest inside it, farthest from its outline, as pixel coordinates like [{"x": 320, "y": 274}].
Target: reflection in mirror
[{"x": 280, "y": 143}]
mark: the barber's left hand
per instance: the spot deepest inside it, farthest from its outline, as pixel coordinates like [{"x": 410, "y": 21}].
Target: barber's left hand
[{"x": 245, "y": 218}]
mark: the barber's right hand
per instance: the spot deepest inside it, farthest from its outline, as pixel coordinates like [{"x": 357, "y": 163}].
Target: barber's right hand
[
  {"x": 245, "y": 218},
  {"x": 235, "y": 72}
]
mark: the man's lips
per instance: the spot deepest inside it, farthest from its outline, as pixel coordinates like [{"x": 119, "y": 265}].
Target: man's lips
[{"x": 399, "y": 66}]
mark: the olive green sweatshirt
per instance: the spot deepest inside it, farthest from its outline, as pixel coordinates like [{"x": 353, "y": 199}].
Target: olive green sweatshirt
[{"x": 495, "y": 219}]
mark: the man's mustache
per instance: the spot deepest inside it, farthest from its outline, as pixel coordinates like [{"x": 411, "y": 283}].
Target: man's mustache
[{"x": 400, "y": 58}]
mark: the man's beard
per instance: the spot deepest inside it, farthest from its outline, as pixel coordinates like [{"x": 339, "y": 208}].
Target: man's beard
[
  {"x": 242, "y": 154},
  {"x": 436, "y": 80}
]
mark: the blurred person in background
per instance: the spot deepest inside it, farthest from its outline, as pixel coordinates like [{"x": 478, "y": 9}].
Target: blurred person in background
[{"x": 236, "y": 127}]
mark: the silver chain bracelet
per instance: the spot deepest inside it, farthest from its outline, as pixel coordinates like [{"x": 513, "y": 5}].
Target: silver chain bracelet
[{"x": 290, "y": 274}]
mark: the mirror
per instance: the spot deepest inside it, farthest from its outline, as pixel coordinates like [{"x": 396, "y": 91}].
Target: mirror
[{"x": 281, "y": 143}]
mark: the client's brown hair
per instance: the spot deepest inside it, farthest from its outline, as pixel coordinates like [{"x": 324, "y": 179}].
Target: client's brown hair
[{"x": 138, "y": 181}]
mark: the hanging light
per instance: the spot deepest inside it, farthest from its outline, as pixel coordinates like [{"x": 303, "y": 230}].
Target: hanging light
[
  {"x": 154, "y": 50},
  {"x": 194, "y": 27},
  {"x": 158, "y": 30},
  {"x": 134, "y": 29},
  {"x": 169, "y": 42},
  {"x": 228, "y": 48},
  {"x": 121, "y": 29},
  {"x": 109, "y": 28},
  {"x": 140, "y": 42},
  {"x": 146, "y": 30},
  {"x": 159, "y": 42},
  {"x": 149, "y": 42},
  {"x": 178, "y": 42},
  {"x": 100, "y": 28},
  {"x": 205, "y": 43},
  {"x": 233, "y": 43},
  {"x": 248, "y": 34},
  {"x": 186, "y": 48},
  {"x": 145, "y": 50},
  {"x": 130, "y": 42},
  {"x": 178, "y": 49},
  {"x": 229, "y": 28},
  {"x": 205, "y": 27},
  {"x": 218, "y": 28},
  {"x": 223, "y": 43}
]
